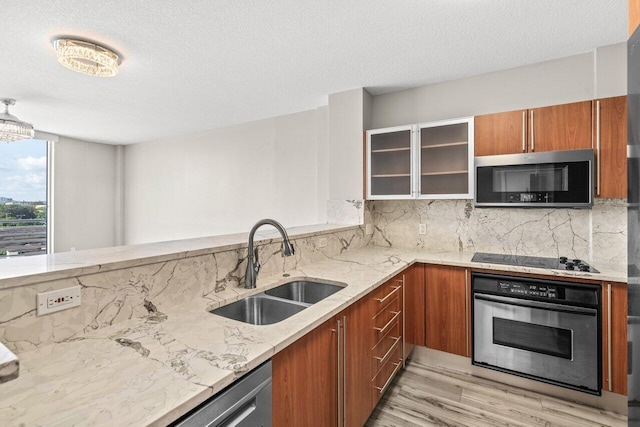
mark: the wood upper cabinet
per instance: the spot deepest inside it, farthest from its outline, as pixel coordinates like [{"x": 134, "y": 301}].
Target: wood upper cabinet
[
  {"x": 558, "y": 127},
  {"x": 501, "y": 133},
  {"x": 305, "y": 380},
  {"x": 447, "y": 309},
  {"x": 634, "y": 15},
  {"x": 610, "y": 132},
  {"x": 415, "y": 300},
  {"x": 614, "y": 337}
]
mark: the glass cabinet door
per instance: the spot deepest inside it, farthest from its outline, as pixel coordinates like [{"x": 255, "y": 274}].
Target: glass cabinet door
[
  {"x": 445, "y": 161},
  {"x": 389, "y": 159}
]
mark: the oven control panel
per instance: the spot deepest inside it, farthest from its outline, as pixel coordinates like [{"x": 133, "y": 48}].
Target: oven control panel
[{"x": 528, "y": 290}]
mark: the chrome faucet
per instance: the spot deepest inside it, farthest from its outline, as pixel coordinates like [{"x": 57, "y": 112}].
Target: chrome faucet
[{"x": 253, "y": 264}]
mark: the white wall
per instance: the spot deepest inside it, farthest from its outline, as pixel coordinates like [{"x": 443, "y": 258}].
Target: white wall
[
  {"x": 346, "y": 124},
  {"x": 577, "y": 78},
  {"x": 84, "y": 179},
  {"x": 224, "y": 180}
]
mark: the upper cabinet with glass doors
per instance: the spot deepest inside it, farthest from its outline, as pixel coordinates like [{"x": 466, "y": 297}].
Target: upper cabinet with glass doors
[{"x": 425, "y": 161}]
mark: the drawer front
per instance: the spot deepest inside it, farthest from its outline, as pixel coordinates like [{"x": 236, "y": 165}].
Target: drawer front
[
  {"x": 390, "y": 368},
  {"x": 387, "y": 346},
  {"x": 385, "y": 293},
  {"x": 385, "y": 319}
]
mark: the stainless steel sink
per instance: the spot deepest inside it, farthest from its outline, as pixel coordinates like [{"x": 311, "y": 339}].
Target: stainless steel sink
[
  {"x": 278, "y": 303},
  {"x": 260, "y": 310},
  {"x": 306, "y": 291}
]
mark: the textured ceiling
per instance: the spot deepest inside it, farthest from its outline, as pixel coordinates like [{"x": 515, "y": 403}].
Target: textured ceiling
[{"x": 201, "y": 64}]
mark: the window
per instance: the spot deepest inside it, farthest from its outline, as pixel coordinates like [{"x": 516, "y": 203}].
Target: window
[{"x": 23, "y": 198}]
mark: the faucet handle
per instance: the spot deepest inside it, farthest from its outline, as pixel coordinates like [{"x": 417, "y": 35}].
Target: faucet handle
[
  {"x": 256, "y": 261},
  {"x": 287, "y": 248}
]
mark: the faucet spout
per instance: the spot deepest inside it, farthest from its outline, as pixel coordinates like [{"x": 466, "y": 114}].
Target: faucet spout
[{"x": 253, "y": 264}]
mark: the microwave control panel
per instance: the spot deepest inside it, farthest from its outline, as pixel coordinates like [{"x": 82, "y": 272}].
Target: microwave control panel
[{"x": 528, "y": 197}]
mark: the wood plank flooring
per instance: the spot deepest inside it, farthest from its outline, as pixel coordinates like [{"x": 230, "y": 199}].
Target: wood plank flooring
[{"x": 426, "y": 395}]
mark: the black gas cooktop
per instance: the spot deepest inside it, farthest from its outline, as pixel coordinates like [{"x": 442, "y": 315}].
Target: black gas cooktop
[{"x": 562, "y": 263}]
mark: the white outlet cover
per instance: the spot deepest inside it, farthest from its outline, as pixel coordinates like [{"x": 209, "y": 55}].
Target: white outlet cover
[
  {"x": 422, "y": 228},
  {"x": 322, "y": 242},
  {"x": 58, "y": 300}
]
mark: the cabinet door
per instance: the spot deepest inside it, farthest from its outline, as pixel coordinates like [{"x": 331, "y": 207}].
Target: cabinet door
[
  {"x": 447, "y": 308},
  {"x": 389, "y": 163},
  {"x": 357, "y": 323},
  {"x": 634, "y": 15},
  {"x": 501, "y": 133},
  {"x": 445, "y": 159},
  {"x": 560, "y": 127},
  {"x": 305, "y": 380},
  {"x": 611, "y": 146},
  {"x": 415, "y": 301},
  {"x": 614, "y": 337}
]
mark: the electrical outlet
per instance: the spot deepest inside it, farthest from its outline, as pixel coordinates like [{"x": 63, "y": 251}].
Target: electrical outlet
[
  {"x": 322, "y": 242},
  {"x": 368, "y": 229},
  {"x": 62, "y": 299},
  {"x": 422, "y": 228}
]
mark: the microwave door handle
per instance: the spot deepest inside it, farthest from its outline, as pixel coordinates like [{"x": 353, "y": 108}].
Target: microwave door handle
[{"x": 536, "y": 304}]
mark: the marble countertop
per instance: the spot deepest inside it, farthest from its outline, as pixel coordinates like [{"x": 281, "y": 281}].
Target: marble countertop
[
  {"x": 149, "y": 371},
  {"x": 19, "y": 271}
]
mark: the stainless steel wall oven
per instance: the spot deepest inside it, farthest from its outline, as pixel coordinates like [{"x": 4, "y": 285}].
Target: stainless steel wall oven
[{"x": 540, "y": 329}]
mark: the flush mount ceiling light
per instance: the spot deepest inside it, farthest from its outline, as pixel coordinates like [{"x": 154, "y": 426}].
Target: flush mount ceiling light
[
  {"x": 11, "y": 128},
  {"x": 87, "y": 57}
]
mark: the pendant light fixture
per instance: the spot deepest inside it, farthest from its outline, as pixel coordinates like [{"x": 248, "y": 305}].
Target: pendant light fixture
[
  {"x": 11, "y": 128},
  {"x": 87, "y": 57}
]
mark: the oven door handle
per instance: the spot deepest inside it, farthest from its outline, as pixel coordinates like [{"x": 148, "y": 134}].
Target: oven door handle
[{"x": 537, "y": 304}]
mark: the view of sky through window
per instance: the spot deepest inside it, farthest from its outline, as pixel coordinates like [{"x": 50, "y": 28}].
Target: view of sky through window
[{"x": 23, "y": 171}]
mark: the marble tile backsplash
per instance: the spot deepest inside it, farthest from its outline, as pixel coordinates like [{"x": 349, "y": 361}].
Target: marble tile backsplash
[
  {"x": 593, "y": 234},
  {"x": 152, "y": 291},
  {"x": 345, "y": 211}
]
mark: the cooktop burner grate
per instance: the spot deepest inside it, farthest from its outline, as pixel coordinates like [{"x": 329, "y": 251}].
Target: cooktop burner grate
[{"x": 562, "y": 263}]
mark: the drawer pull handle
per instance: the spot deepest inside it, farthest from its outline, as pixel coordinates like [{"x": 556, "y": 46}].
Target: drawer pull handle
[
  {"x": 395, "y": 289},
  {"x": 393, "y": 374},
  {"x": 390, "y": 322},
  {"x": 383, "y": 358}
]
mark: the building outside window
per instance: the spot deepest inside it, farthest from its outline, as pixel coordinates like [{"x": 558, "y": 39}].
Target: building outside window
[{"x": 23, "y": 198}]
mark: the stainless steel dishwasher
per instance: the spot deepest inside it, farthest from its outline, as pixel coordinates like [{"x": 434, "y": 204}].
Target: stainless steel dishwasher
[{"x": 245, "y": 403}]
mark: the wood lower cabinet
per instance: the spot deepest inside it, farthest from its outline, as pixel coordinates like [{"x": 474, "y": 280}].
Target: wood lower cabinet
[
  {"x": 358, "y": 363},
  {"x": 415, "y": 300},
  {"x": 614, "y": 337},
  {"x": 447, "y": 309},
  {"x": 610, "y": 130},
  {"x": 305, "y": 378},
  {"x": 388, "y": 335},
  {"x": 329, "y": 376},
  {"x": 501, "y": 133}
]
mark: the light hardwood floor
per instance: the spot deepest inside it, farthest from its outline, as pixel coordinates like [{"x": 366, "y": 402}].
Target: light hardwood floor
[{"x": 425, "y": 395}]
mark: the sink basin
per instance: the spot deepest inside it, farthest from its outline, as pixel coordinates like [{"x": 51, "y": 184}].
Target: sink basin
[
  {"x": 305, "y": 291},
  {"x": 259, "y": 310}
]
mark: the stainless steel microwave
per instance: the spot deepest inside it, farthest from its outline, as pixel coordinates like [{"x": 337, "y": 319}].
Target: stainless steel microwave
[{"x": 562, "y": 179}]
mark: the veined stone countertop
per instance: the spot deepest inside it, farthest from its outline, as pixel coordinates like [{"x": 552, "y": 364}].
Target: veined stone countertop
[
  {"x": 151, "y": 370},
  {"x": 19, "y": 271}
]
